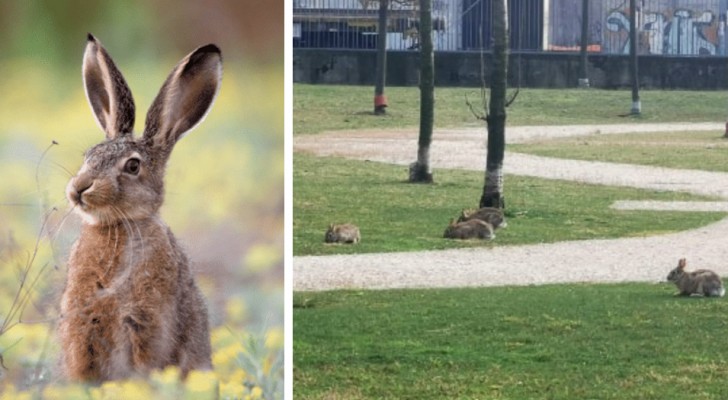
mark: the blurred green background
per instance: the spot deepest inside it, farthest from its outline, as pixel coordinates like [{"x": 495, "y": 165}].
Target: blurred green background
[{"x": 224, "y": 183}]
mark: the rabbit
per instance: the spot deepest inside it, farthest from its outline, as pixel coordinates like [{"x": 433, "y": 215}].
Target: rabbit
[
  {"x": 343, "y": 233},
  {"x": 130, "y": 302},
  {"x": 491, "y": 215},
  {"x": 471, "y": 229},
  {"x": 702, "y": 282}
]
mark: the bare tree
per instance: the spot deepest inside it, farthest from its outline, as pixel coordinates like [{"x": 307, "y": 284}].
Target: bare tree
[
  {"x": 419, "y": 171},
  {"x": 636, "y": 105},
  {"x": 380, "y": 100},
  {"x": 496, "y": 117},
  {"x": 583, "y": 77}
]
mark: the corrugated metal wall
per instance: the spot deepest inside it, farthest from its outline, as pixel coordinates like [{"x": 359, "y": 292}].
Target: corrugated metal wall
[{"x": 669, "y": 27}]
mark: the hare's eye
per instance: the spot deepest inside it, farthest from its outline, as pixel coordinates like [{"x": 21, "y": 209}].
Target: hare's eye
[{"x": 132, "y": 166}]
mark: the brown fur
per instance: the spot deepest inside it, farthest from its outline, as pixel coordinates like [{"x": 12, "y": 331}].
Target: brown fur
[
  {"x": 343, "y": 233},
  {"x": 700, "y": 282},
  {"x": 130, "y": 303},
  {"x": 493, "y": 216},
  {"x": 472, "y": 229}
]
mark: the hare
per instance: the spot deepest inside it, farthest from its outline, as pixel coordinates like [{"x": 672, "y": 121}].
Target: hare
[
  {"x": 130, "y": 303},
  {"x": 702, "y": 282},
  {"x": 491, "y": 215},
  {"x": 344, "y": 233},
  {"x": 471, "y": 229}
]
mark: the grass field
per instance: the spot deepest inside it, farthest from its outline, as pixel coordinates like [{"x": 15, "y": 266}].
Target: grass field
[
  {"x": 320, "y": 108},
  {"x": 396, "y": 216},
  {"x": 707, "y": 151},
  {"x": 629, "y": 341}
]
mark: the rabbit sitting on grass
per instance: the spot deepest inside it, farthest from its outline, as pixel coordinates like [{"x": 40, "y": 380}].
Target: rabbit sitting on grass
[
  {"x": 130, "y": 303},
  {"x": 343, "y": 233},
  {"x": 701, "y": 282},
  {"x": 471, "y": 229},
  {"x": 493, "y": 216}
]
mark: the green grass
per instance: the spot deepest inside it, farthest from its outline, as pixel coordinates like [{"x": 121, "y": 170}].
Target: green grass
[
  {"x": 627, "y": 341},
  {"x": 397, "y": 216},
  {"x": 319, "y": 108},
  {"x": 707, "y": 151}
]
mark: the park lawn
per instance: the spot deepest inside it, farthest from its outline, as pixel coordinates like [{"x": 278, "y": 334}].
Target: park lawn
[
  {"x": 578, "y": 341},
  {"x": 703, "y": 150},
  {"x": 318, "y": 108},
  {"x": 397, "y": 216}
]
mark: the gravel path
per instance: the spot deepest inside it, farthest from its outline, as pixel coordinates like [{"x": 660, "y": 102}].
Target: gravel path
[{"x": 615, "y": 260}]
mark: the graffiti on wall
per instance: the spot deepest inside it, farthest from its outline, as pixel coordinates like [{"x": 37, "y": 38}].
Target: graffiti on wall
[{"x": 672, "y": 32}]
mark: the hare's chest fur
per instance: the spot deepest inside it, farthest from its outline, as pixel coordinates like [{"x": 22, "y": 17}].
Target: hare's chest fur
[
  {"x": 122, "y": 290},
  {"x": 116, "y": 260}
]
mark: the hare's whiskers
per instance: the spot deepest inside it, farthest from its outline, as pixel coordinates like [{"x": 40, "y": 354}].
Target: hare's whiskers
[
  {"x": 60, "y": 167},
  {"x": 59, "y": 227},
  {"x": 129, "y": 231}
]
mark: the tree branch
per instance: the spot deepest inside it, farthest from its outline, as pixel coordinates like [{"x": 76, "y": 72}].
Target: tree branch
[
  {"x": 513, "y": 98},
  {"x": 472, "y": 109}
]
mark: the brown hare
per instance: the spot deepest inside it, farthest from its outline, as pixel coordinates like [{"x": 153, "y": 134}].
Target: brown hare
[
  {"x": 701, "y": 282},
  {"x": 491, "y": 215},
  {"x": 343, "y": 233},
  {"x": 130, "y": 303},
  {"x": 471, "y": 229}
]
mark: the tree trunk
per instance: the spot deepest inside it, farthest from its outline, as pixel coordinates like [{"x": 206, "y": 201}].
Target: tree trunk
[
  {"x": 496, "y": 120},
  {"x": 419, "y": 171},
  {"x": 636, "y": 105},
  {"x": 380, "y": 100},
  {"x": 583, "y": 77}
]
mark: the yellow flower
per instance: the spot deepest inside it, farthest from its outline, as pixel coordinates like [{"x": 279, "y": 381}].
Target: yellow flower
[
  {"x": 260, "y": 257},
  {"x": 256, "y": 393},
  {"x": 10, "y": 393},
  {"x": 238, "y": 375},
  {"x": 130, "y": 389},
  {"x": 230, "y": 373},
  {"x": 220, "y": 336},
  {"x": 201, "y": 385},
  {"x": 274, "y": 339},
  {"x": 232, "y": 390},
  {"x": 226, "y": 356},
  {"x": 64, "y": 392},
  {"x": 236, "y": 311},
  {"x": 169, "y": 375}
]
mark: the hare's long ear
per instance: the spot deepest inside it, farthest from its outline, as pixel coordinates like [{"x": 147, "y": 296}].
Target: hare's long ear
[
  {"x": 681, "y": 263},
  {"x": 107, "y": 91},
  {"x": 185, "y": 98}
]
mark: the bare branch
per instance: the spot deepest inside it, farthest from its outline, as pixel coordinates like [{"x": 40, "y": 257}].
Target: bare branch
[
  {"x": 472, "y": 109},
  {"x": 513, "y": 98},
  {"x": 2, "y": 361},
  {"x": 40, "y": 160},
  {"x": 23, "y": 293}
]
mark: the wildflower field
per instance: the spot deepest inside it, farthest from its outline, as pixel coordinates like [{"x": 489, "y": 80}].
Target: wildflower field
[{"x": 224, "y": 202}]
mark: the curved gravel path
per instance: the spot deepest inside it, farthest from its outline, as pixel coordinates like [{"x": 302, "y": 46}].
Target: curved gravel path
[{"x": 614, "y": 260}]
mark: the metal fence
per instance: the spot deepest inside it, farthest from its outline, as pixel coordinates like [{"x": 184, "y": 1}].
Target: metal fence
[{"x": 667, "y": 27}]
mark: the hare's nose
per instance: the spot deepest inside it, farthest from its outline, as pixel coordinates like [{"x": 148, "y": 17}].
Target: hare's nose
[{"x": 79, "y": 188}]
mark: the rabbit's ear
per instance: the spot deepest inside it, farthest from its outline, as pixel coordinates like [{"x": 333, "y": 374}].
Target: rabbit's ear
[
  {"x": 185, "y": 98},
  {"x": 107, "y": 91},
  {"x": 681, "y": 264}
]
